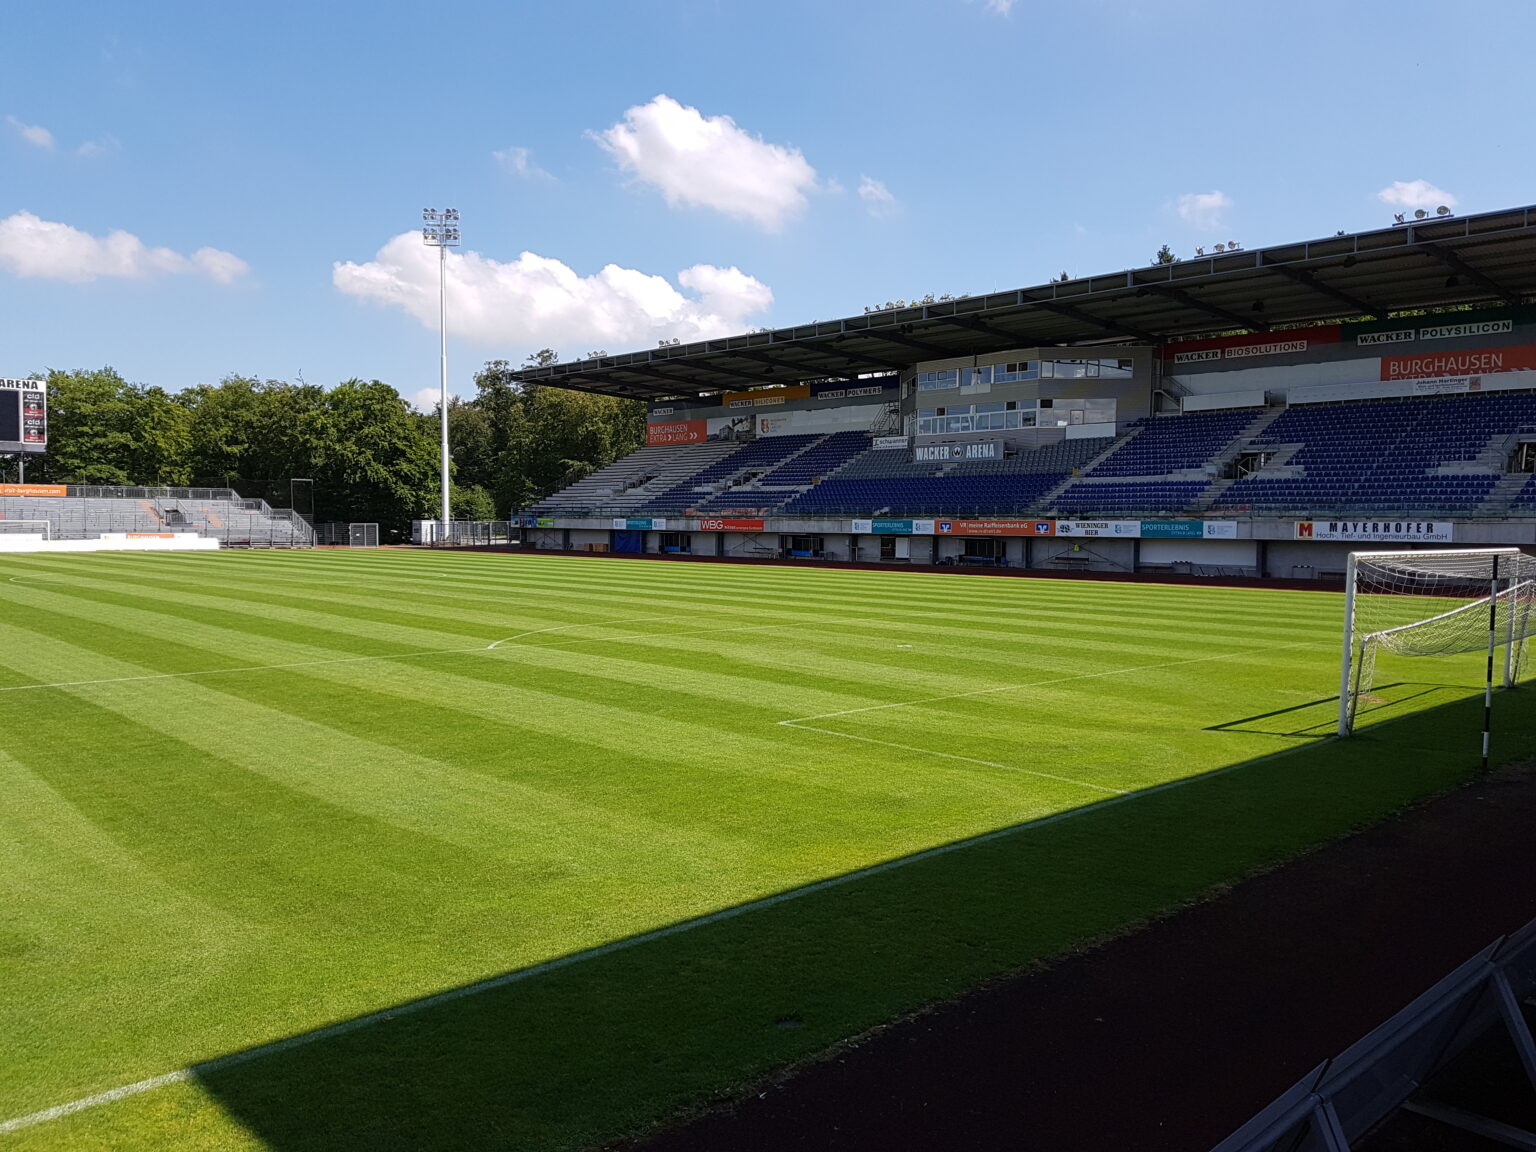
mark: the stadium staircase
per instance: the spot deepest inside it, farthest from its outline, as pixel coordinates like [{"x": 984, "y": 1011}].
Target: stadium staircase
[
  {"x": 1505, "y": 496},
  {"x": 1169, "y": 465},
  {"x": 628, "y": 484}
]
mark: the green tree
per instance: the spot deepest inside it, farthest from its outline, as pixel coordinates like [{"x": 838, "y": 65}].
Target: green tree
[
  {"x": 376, "y": 462},
  {"x": 104, "y": 430},
  {"x": 521, "y": 442},
  {"x": 472, "y": 502},
  {"x": 1165, "y": 256}
]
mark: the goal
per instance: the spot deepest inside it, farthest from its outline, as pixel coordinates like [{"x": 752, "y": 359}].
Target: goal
[
  {"x": 1435, "y": 604},
  {"x": 27, "y": 528}
]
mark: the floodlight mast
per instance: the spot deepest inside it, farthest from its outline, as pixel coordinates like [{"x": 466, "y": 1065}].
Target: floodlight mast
[{"x": 440, "y": 230}]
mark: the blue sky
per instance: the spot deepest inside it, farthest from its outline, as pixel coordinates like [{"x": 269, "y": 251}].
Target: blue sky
[{"x": 193, "y": 189}]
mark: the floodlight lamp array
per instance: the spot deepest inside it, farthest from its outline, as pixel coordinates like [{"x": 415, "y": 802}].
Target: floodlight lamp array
[{"x": 441, "y": 229}]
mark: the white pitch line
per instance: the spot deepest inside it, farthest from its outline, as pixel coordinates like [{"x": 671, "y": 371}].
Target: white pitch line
[
  {"x": 1038, "y": 683},
  {"x": 59, "y": 1111},
  {"x": 398, "y": 656},
  {"x": 229, "y": 671},
  {"x": 953, "y": 756},
  {"x": 286, "y": 1045},
  {"x": 669, "y": 635},
  {"x": 589, "y": 624},
  {"x": 191, "y": 1073}
]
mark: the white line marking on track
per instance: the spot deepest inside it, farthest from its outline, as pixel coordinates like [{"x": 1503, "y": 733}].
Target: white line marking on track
[{"x": 236, "y": 1058}]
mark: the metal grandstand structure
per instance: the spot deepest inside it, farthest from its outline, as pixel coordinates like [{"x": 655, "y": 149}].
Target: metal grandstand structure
[
  {"x": 80, "y": 511},
  {"x": 1488, "y": 258},
  {"x": 1342, "y": 1100}
]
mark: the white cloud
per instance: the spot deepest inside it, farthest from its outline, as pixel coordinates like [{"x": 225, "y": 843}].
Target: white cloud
[
  {"x": 520, "y": 162},
  {"x": 877, "y": 198},
  {"x": 425, "y": 399},
  {"x": 39, "y": 249},
  {"x": 103, "y": 147},
  {"x": 224, "y": 267},
  {"x": 1203, "y": 209},
  {"x": 710, "y": 161},
  {"x": 34, "y": 134},
  {"x": 1001, "y": 7},
  {"x": 1415, "y": 194},
  {"x": 544, "y": 303}
]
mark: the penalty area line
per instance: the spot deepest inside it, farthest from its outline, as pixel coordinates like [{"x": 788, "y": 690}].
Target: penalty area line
[
  {"x": 955, "y": 756},
  {"x": 1037, "y": 684}
]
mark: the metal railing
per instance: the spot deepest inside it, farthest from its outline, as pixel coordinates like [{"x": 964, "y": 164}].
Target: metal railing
[
  {"x": 236, "y": 522},
  {"x": 477, "y": 533}
]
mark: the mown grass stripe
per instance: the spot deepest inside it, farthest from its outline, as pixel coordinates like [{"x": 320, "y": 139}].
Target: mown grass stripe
[{"x": 411, "y": 811}]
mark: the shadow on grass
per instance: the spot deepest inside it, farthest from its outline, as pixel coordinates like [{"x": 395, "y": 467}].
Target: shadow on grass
[
  {"x": 608, "y": 1044},
  {"x": 1320, "y": 718}
]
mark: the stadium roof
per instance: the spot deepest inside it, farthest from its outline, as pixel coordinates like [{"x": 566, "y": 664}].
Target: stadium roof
[{"x": 1435, "y": 262}]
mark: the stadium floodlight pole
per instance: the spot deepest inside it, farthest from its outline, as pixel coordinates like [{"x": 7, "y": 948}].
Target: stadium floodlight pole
[{"x": 441, "y": 231}]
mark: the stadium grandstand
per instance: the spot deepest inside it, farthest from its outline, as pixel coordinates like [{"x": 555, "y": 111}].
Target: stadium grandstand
[
  {"x": 87, "y": 512},
  {"x": 1255, "y": 413}
]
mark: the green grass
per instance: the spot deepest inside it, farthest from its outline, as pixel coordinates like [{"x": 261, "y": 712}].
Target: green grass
[{"x": 272, "y": 792}]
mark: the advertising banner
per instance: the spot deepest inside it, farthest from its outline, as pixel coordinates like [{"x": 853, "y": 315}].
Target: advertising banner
[
  {"x": 699, "y": 430},
  {"x": 54, "y": 490},
  {"x": 1444, "y": 385},
  {"x": 632, "y": 524},
  {"x": 886, "y": 443},
  {"x": 712, "y": 525},
  {"x": 1483, "y": 322},
  {"x": 766, "y": 397},
  {"x": 1428, "y": 365},
  {"x": 1129, "y": 529},
  {"x": 1260, "y": 344},
  {"x": 1378, "y": 531},
  {"x": 23, "y": 415},
  {"x": 893, "y": 527},
  {"x": 1221, "y": 529},
  {"x": 1172, "y": 530},
  {"x": 677, "y": 432},
  {"x": 979, "y": 450},
  {"x": 855, "y": 389},
  {"x": 995, "y": 527}
]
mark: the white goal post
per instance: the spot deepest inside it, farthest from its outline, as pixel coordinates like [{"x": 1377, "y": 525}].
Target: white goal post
[
  {"x": 27, "y": 528},
  {"x": 1435, "y": 603}
]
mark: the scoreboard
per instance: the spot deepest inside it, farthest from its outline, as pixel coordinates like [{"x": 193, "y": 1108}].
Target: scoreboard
[{"x": 23, "y": 416}]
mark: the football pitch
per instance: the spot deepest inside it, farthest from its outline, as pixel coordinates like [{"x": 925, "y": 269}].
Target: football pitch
[{"x": 396, "y": 849}]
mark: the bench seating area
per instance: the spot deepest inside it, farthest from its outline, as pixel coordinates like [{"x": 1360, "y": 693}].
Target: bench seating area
[
  {"x": 1437, "y": 454},
  {"x": 234, "y": 521}
]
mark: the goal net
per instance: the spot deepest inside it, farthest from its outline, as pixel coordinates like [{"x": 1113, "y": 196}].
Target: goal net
[{"x": 1434, "y": 604}]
